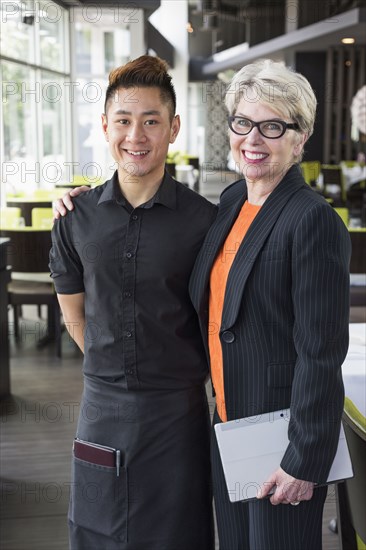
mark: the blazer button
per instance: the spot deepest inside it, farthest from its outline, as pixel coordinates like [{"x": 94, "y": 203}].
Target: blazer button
[{"x": 228, "y": 337}]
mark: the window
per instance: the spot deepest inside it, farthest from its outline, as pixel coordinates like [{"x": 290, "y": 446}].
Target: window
[
  {"x": 18, "y": 113},
  {"x": 17, "y": 31},
  {"x": 101, "y": 46},
  {"x": 53, "y": 38},
  {"x": 35, "y": 106}
]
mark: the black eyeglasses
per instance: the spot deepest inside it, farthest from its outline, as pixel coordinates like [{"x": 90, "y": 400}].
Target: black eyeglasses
[{"x": 271, "y": 129}]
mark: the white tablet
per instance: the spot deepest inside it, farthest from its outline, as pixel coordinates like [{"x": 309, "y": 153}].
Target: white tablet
[{"x": 252, "y": 448}]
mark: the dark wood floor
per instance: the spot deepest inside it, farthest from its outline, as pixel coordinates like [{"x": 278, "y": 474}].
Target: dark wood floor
[{"x": 37, "y": 427}]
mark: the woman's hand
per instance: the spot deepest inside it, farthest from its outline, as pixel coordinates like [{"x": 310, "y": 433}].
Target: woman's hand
[
  {"x": 61, "y": 206},
  {"x": 288, "y": 489}
]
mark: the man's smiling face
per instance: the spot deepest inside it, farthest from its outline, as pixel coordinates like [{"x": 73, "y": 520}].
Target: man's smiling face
[{"x": 139, "y": 127}]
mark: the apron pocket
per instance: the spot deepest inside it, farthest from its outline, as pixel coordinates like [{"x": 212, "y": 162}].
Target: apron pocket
[{"x": 99, "y": 499}]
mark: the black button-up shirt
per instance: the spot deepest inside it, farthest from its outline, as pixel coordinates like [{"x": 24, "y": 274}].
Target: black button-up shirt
[{"x": 134, "y": 266}]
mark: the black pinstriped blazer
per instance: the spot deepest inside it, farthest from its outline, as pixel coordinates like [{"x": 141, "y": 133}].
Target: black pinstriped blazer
[{"x": 284, "y": 329}]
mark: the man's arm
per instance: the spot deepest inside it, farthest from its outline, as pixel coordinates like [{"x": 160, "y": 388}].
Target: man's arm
[
  {"x": 72, "y": 307},
  {"x": 61, "y": 206}
]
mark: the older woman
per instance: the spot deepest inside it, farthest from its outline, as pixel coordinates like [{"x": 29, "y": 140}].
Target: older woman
[{"x": 271, "y": 287}]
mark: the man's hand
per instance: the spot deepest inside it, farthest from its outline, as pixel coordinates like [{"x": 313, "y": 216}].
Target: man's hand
[
  {"x": 60, "y": 206},
  {"x": 288, "y": 489}
]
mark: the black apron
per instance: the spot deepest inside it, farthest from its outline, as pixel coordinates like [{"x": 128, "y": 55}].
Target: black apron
[{"x": 162, "y": 498}]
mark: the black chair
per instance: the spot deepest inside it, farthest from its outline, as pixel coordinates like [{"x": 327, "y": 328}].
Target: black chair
[
  {"x": 352, "y": 493},
  {"x": 333, "y": 175},
  {"x": 28, "y": 253},
  {"x": 358, "y": 265}
]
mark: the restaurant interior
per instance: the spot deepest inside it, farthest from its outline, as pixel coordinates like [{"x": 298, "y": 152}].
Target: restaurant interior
[{"x": 55, "y": 58}]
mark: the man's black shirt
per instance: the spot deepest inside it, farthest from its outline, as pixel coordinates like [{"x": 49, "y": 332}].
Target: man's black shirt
[{"x": 134, "y": 266}]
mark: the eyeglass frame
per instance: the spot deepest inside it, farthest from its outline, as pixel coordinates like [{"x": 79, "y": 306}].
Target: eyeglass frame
[{"x": 285, "y": 126}]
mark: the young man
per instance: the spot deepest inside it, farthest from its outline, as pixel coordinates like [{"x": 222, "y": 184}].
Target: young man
[{"x": 121, "y": 262}]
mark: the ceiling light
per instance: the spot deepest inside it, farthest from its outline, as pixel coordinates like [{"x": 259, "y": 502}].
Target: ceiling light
[{"x": 348, "y": 40}]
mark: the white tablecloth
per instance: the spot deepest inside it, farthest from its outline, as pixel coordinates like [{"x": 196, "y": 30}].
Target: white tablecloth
[
  {"x": 354, "y": 367},
  {"x": 354, "y": 175}
]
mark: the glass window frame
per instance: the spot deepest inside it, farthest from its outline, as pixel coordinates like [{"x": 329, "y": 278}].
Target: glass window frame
[{"x": 62, "y": 74}]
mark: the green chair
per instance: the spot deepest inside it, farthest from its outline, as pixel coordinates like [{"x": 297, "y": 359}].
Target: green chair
[
  {"x": 343, "y": 213},
  {"x": 42, "y": 218},
  {"x": 58, "y": 192},
  {"x": 79, "y": 179},
  {"x": 97, "y": 182},
  {"x": 43, "y": 194},
  {"x": 311, "y": 171},
  {"x": 10, "y": 217}
]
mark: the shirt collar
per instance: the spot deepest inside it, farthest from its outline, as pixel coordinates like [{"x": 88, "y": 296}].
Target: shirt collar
[{"x": 165, "y": 195}]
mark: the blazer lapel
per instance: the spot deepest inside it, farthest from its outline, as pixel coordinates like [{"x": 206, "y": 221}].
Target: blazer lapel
[
  {"x": 253, "y": 243},
  {"x": 230, "y": 205}
]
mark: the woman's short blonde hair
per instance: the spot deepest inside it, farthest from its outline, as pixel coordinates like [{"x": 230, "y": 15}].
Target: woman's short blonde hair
[{"x": 283, "y": 90}]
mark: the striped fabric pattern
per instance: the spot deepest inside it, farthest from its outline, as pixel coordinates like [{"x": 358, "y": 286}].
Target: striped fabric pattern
[{"x": 286, "y": 313}]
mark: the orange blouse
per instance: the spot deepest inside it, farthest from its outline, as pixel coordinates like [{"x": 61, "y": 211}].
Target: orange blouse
[{"x": 218, "y": 279}]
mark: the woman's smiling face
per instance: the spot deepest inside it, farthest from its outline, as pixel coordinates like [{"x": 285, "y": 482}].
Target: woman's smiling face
[{"x": 262, "y": 159}]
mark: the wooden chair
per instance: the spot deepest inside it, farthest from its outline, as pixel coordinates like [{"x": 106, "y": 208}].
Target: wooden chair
[
  {"x": 43, "y": 194},
  {"x": 28, "y": 253}
]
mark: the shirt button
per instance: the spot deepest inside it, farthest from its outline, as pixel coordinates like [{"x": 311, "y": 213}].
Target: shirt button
[
  {"x": 135, "y": 217},
  {"x": 128, "y": 334},
  {"x": 129, "y": 255},
  {"x": 130, "y": 371},
  {"x": 228, "y": 337},
  {"x": 127, "y": 294}
]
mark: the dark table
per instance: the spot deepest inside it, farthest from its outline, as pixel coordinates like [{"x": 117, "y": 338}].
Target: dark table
[
  {"x": 26, "y": 205},
  {"x": 71, "y": 185}
]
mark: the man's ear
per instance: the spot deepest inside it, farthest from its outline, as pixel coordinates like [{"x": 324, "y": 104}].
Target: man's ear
[
  {"x": 175, "y": 127},
  {"x": 105, "y": 126}
]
